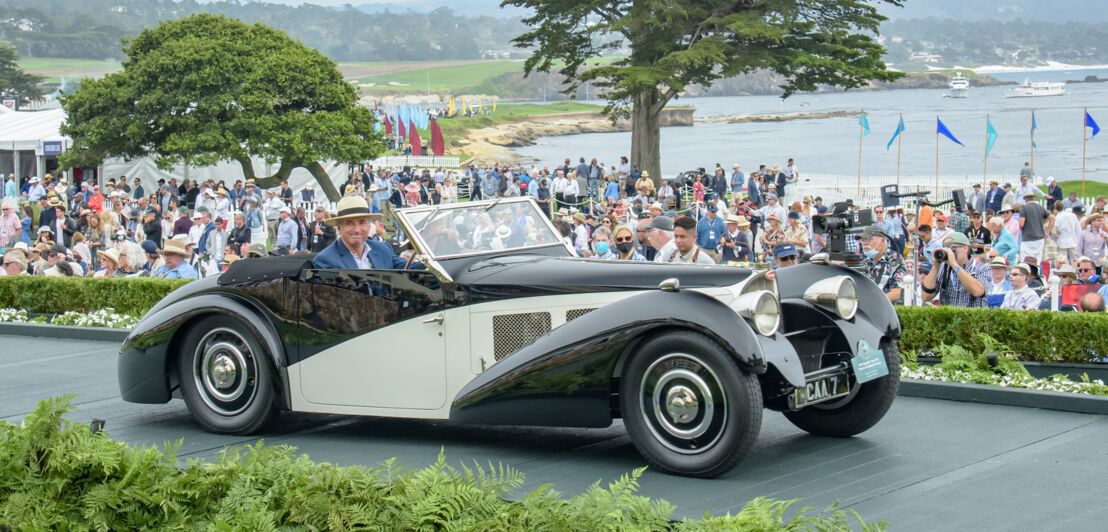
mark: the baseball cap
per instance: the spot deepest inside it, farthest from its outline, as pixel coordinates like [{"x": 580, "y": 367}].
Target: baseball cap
[
  {"x": 1021, "y": 266},
  {"x": 956, "y": 238},
  {"x": 784, "y": 250},
  {"x": 1007, "y": 185},
  {"x": 665, "y": 223},
  {"x": 924, "y": 267},
  {"x": 149, "y": 247},
  {"x": 257, "y": 249},
  {"x": 872, "y": 231},
  {"x": 713, "y": 207},
  {"x": 793, "y": 215}
]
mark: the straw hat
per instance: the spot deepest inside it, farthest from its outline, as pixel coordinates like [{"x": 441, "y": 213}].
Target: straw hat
[
  {"x": 351, "y": 207},
  {"x": 109, "y": 255},
  {"x": 503, "y": 232},
  {"x": 22, "y": 248},
  {"x": 221, "y": 192},
  {"x": 174, "y": 246},
  {"x": 740, "y": 221}
]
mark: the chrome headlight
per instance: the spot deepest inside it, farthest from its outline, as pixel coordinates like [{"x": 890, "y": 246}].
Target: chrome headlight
[
  {"x": 838, "y": 293},
  {"x": 761, "y": 308}
]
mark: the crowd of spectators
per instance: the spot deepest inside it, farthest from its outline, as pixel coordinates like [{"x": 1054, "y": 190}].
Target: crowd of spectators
[{"x": 1012, "y": 247}]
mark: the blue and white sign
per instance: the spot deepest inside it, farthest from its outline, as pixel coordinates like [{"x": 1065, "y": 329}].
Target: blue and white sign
[{"x": 52, "y": 147}]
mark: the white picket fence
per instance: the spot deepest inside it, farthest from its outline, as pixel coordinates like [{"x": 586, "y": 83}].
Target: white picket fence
[
  {"x": 423, "y": 161},
  {"x": 834, "y": 188}
]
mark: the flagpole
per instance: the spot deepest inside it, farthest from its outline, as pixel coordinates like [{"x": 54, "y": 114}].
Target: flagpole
[
  {"x": 1032, "y": 142},
  {"x": 936, "y": 155},
  {"x": 1084, "y": 118},
  {"x": 898, "y": 151},
  {"x": 861, "y": 130},
  {"x": 986, "y": 170}
]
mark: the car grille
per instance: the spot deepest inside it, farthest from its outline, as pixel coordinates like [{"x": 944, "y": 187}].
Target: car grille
[{"x": 510, "y": 332}]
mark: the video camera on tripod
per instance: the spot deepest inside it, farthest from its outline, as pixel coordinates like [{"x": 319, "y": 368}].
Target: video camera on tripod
[{"x": 841, "y": 224}]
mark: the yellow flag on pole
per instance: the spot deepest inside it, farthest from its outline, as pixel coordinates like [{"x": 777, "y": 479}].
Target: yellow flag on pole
[{"x": 494, "y": 104}]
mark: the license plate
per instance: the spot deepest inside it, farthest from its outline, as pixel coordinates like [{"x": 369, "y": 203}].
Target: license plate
[{"x": 821, "y": 389}]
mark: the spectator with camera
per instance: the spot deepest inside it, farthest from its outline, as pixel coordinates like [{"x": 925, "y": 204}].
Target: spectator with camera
[
  {"x": 883, "y": 265},
  {"x": 956, "y": 280}
]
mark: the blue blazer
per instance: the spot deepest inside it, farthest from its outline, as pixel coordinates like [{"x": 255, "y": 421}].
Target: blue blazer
[{"x": 337, "y": 257}]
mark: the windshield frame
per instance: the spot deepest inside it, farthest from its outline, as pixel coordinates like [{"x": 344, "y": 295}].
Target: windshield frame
[{"x": 421, "y": 247}]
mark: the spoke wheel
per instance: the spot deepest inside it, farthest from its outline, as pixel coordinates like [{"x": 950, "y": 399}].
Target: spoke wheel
[
  {"x": 226, "y": 377},
  {"x": 688, "y": 406}
]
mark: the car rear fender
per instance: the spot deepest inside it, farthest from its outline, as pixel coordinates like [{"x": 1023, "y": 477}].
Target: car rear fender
[
  {"x": 564, "y": 377},
  {"x": 153, "y": 343}
]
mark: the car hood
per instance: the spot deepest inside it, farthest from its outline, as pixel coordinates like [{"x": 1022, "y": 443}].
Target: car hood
[{"x": 537, "y": 270}]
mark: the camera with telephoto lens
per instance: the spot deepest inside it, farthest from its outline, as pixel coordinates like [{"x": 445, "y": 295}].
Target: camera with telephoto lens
[
  {"x": 841, "y": 224},
  {"x": 940, "y": 255}
]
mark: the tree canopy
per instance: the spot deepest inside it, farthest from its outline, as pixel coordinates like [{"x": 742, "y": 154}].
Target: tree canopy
[
  {"x": 15, "y": 84},
  {"x": 669, "y": 45},
  {"x": 208, "y": 88}
]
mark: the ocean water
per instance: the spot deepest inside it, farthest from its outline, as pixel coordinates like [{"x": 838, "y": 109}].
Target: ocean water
[{"x": 831, "y": 145}]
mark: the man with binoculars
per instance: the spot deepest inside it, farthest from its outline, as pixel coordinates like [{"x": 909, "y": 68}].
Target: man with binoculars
[{"x": 956, "y": 279}]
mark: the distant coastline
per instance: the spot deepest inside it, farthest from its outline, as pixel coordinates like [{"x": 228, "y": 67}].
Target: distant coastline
[{"x": 1051, "y": 66}]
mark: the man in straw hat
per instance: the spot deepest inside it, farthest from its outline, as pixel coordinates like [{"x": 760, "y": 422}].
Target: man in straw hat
[
  {"x": 353, "y": 249},
  {"x": 734, "y": 245},
  {"x": 175, "y": 265}
]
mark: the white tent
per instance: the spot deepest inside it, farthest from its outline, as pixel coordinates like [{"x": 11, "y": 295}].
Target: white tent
[{"x": 26, "y": 131}]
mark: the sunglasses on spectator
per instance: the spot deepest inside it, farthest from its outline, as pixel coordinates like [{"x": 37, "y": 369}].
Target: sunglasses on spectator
[
  {"x": 623, "y": 240},
  {"x": 1017, "y": 274},
  {"x": 1086, "y": 270},
  {"x": 6, "y": 264}
]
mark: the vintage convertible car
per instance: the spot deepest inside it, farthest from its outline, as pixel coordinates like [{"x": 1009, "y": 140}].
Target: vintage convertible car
[{"x": 506, "y": 326}]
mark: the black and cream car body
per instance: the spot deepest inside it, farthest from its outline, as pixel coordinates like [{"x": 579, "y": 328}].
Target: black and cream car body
[{"x": 513, "y": 329}]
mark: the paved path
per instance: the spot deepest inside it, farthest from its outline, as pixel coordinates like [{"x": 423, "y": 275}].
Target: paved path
[{"x": 929, "y": 465}]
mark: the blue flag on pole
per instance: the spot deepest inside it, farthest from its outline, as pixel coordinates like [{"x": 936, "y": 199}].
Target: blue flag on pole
[
  {"x": 865, "y": 125},
  {"x": 990, "y": 135},
  {"x": 940, "y": 129},
  {"x": 1089, "y": 122},
  {"x": 899, "y": 129},
  {"x": 1034, "y": 126}
]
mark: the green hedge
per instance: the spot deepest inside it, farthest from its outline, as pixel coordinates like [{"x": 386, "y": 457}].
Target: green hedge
[
  {"x": 56, "y": 475},
  {"x": 56, "y": 295},
  {"x": 1034, "y": 336},
  {"x": 1040, "y": 336}
]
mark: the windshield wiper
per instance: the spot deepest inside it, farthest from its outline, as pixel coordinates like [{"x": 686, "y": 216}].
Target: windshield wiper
[{"x": 493, "y": 204}]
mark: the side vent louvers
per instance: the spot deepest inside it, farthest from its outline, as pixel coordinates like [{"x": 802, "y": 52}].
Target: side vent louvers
[
  {"x": 577, "y": 313},
  {"x": 510, "y": 332}
]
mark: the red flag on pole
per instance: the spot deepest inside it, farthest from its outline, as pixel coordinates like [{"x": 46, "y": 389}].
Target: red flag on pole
[
  {"x": 438, "y": 147},
  {"x": 400, "y": 126},
  {"x": 388, "y": 126},
  {"x": 413, "y": 138}
]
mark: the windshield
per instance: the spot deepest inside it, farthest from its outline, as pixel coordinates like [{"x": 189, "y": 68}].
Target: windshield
[{"x": 459, "y": 229}]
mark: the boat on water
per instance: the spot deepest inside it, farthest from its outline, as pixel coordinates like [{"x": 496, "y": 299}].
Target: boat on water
[
  {"x": 1038, "y": 88},
  {"x": 959, "y": 86}
]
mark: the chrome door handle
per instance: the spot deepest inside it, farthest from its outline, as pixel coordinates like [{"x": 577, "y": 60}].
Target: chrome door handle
[{"x": 437, "y": 319}]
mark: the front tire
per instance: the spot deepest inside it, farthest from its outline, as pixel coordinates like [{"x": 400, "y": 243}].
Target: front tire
[
  {"x": 861, "y": 411},
  {"x": 688, "y": 406},
  {"x": 225, "y": 377}
]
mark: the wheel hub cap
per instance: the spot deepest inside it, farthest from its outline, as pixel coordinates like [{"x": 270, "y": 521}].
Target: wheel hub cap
[
  {"x": 683, "y": 403},
  {"x": 223, "y": 372}
]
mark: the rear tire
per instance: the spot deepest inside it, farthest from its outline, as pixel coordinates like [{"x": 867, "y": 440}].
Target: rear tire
[
  {"x": 862, "y": 411},
  {"x": 225, "y": 376},
  {"x": 688, "y": 406}
]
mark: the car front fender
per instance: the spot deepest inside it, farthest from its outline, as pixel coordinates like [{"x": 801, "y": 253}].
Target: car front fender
[
  {"x": 564, "y": 377},
  {"x": 144, "y": 363}
]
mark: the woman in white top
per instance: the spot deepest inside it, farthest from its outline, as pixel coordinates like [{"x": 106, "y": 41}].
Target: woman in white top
[{"x": 447, "y": 192}]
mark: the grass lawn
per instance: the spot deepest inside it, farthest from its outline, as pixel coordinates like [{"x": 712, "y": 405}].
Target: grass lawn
[
  {"x": 1092, "y": 188},
  {"x": 446, "y": 77},
  {"x": 53, "y": 69}
]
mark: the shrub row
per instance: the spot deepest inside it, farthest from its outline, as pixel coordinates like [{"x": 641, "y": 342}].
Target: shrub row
[
  {"x": 1033, "y": 336},
  {"x": 56, "y": 295},
  {"x": 1072, "y": 337},
  {"x": 56, "y": 475}
]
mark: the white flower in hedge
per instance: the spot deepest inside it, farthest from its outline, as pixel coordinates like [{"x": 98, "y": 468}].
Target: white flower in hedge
[
  {"x": 13, "y": 315},
  {"x": 1056, "y": 383},
  {"x": 105, "y": 317}
]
